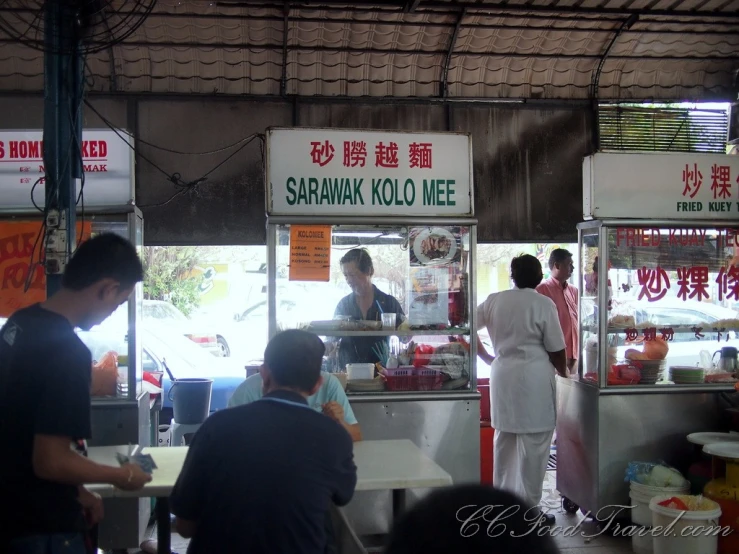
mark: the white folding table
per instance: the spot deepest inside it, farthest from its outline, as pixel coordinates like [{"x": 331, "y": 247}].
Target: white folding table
[
  {"x": 169, "y": 461},
  {"x": 395, "y": 465}
]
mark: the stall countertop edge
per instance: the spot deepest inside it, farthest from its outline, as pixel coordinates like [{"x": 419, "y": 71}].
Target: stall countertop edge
[
  {"x": 411, "y": 396},
  {"x": 649, "y": 389}
]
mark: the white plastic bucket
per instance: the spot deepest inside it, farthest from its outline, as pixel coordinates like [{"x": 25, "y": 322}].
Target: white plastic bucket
[
  {"x": 641, "y": 541},
  {"x": 641, "y": 495},
  {"x": 360, "y": 371},
  {"x": 678, "y": 532}
]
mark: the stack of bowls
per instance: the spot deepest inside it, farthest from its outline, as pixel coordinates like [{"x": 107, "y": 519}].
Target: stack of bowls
[
  {"x": 687, "y": 375},
  {"x": 651, "y": 371}
]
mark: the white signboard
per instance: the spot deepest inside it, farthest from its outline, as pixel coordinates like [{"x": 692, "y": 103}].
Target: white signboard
[
  {"x": 346, "y": 172},
  {"x": 108, "y": 162},
  {"x": 660, "y": 186}
]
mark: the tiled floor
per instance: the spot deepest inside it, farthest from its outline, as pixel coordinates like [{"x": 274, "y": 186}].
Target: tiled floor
[{"x": 571, "y": 538}]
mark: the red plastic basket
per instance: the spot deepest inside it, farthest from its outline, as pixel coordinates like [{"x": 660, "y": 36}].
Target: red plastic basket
[
  {"x": 412, "y": 379},
  {"x": 429, "y": 379}
]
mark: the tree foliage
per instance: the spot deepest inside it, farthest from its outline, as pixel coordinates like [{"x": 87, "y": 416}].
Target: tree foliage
[{"x": 168, "y": 276}]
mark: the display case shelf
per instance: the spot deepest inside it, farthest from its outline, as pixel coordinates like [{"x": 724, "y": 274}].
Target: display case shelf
[
  {"x": 675, "y": 329},
  {"x": 388, "y": 333}
]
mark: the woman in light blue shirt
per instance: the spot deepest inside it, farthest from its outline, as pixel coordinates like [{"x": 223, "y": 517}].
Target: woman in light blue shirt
[{"x": 330, "y": 399}]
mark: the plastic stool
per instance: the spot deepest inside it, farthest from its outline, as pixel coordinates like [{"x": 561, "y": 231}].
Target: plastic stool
[{"x": 178, "y": 432}]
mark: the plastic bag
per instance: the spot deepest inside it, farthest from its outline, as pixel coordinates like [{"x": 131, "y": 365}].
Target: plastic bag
[
  {"x": 105, "y": 375},
  {"x": 654, "y": 475}
]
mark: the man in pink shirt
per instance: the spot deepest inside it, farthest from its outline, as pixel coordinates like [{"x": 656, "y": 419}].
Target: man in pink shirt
[{"x": 565, "y": 298}]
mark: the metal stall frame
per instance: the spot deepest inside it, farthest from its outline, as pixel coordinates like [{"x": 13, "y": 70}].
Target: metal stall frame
[
  {"x": 602, "y": 428},
  {"x": 444, "y": 424}
]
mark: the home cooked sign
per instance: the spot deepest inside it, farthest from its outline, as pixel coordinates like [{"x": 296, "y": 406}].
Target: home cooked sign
[
  {"x": 661, "y": 186},
  {"x": 331, "y": 172},
  {"x": 107, "y": 162}
]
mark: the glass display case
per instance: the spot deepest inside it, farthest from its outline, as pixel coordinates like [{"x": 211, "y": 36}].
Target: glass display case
[
  {"x": 415, "y": 337},
  {"x": 117, "y": 370},
  {"x": 666, "y": 312}
]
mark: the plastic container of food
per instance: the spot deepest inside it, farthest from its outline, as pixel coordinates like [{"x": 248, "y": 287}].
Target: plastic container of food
[{"x": 360, "y": 371}]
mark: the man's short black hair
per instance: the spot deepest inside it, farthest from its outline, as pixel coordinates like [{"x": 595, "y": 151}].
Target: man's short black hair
[
  {"x": 526, "y": 271},
  {"x": 294, "y": 359},
  {"x": 104, "y": 256},
  {"x": 558, "y": 256},
  {"x": 458, "y": 519}
]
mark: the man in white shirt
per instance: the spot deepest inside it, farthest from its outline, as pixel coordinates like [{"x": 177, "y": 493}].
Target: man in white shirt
[{"x": 529, "y": 348}]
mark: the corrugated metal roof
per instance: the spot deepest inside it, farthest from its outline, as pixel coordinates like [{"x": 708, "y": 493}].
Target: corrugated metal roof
[{"x": 517, "y": 49}]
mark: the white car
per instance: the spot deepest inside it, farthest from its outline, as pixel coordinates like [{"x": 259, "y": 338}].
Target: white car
[
  {"x": 158, "y": 312},
  {"x": 244, "y": 335}
]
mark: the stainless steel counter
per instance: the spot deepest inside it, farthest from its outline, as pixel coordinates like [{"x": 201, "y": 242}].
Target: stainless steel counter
[
  {"x": 445, "y": 426},
  {"x": 599, "y": 431}
]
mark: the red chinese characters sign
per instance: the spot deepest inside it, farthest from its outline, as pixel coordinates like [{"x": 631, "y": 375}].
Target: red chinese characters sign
[
  {"x": 385, "y": 154},
  {"x": 661, "y": 186},
  {"x": 17, "y": 246},
  {"x": 697, "y": 282},
  {"x": 692, "y": 283},
  {"x": 384, "y": 173}
]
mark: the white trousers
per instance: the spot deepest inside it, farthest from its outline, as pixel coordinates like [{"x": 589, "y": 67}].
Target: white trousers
[{"x": 520, "y": 463}]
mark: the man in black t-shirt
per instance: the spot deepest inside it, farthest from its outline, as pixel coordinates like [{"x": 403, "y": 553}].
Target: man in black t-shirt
[
  {"x": 260, "y": 478},
  {"x": 45, "y": 373}
]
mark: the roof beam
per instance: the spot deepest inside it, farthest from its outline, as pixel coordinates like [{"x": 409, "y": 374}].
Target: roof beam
[
  {"x": 397, "y": 51},
  {"x": 443, "y": 83},
  {"x": 495, "y": 6},
  {"x": 589, "y": 21},
  {"x": 285, "y": 30},
  {"x": 411, "y": 6}
]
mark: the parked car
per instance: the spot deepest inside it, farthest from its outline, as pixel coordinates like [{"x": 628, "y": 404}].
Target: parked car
[
  {"x": 165, "y": 314},
  {"x": 244, "y": 335},
  {"x": 164, "y": 350}
]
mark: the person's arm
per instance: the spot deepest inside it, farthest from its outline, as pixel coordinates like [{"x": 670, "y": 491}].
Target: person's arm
[
  {"x": 554, "y": 339},
  {"x": 482, "y": 317},
  {"x": 188, "y": 495},
  {"x": 54, "y": 460},
  {"x": 345, "y": 474},
  {"x": 62, "y": 416},
  {"x": 559, "y": 361},
  {"x": 335, "y": 393},
  {"x": 483, "y": 353}
]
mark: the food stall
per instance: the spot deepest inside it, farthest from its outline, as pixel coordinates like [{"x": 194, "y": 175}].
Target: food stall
[
  {"x": 659, "y": 262},
  {"x": 407, "y": 198},
  {"x": 120, "y": 407}
]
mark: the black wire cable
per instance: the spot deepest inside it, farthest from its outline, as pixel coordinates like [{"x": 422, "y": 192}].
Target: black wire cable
[{"x": 176, "y": 178}]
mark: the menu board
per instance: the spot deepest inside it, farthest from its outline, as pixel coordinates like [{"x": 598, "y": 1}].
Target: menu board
[
  {"x": 310, "y": 253},
  {"x": 21, "y": 246}
]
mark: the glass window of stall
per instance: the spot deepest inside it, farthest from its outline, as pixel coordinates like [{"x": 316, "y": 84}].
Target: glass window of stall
[
  {"x": 589, "y": 249},
  {"x": 114, "y": 344},
  {"x": 420, "y": 274},
  {"x": 672, "y": 306}
]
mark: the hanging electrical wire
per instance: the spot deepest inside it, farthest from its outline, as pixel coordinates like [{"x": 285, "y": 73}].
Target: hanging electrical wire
[{"x": 176, "y": 179}]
